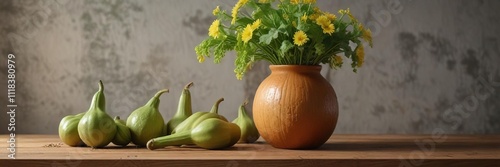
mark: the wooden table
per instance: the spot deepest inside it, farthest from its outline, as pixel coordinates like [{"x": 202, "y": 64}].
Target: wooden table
[{"x": 340, "y": 150}]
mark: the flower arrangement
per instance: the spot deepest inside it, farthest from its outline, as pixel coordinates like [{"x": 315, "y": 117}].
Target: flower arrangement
[{"x": 288, "y": 32}]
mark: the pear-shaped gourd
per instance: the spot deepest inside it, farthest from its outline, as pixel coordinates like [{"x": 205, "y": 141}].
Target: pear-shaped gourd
[
  {"x": 122, "y": 137},
  {"x": 68, "y": 130},
  {"x": 192, "y": 121},
  {"x": 212, "y": 133},
  {"x": 146, "y": 122},
  {"x": 184, "y": 109},
  {"x": 249, "y": 133},
  {"x": 97, "y": 128}
]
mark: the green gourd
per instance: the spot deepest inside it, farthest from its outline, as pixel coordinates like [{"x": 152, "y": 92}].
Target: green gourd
[
  {"x": 122, "y": 137},
  {"x": 192, "y": 121},
  {"x": 249, "y": 133},
  {"x": 212, "y": 133},
  {"x": 68, "y": 130},
  {"x": 146, "y": 122},
  {"x": 184, "y": 109},
  {"x": 97, "y": 128}
]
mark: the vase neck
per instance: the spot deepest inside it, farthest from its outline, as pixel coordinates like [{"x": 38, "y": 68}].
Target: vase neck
[{"x": 295, "y": 68}]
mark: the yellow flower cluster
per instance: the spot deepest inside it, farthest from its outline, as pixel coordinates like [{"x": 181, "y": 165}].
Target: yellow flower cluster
[
  {"x": 201, "y": 58},
  {"x": 234, "y": 12},
  {"x": 366, "y": 34},
  {"x": 326, "y": 24},
  {"x": 303, "y": 1},
  {"x": 216, "y": 11},
  {"x": 303, "y": 18},
  {"x": 213, "y": 31},
  {"x": 360, "y": 52},
  {"x": 300, "y": 38},
  {"x": 247, "y": 33},
  {"x": 336, "y": 60},
  {"x": 348, "y": 12}
]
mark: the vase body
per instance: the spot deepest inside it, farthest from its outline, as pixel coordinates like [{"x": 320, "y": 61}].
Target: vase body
[{"x": 295, "y": 107}]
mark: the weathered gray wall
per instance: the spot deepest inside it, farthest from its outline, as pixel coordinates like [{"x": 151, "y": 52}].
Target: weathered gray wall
[{"x": 434, "y": 65}]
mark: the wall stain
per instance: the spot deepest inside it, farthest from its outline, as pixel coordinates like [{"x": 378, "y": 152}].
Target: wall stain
[
  {"x": 450, "y": 64},
  {"x": 378, "y": 110},
  {"x": 198, "y": 23},
  {"x": 471, "y": 63},
  {"x": 408, "y": 45},
  {"x": 440, "y": 48}
]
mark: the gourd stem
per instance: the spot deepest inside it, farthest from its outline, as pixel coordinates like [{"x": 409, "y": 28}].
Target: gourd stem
[
  {"x": 242, "y": 111},
  {"x": 176, "y": 139},
  {"x": 154, "y": 102},
  {"x": 215, "y": 108},
  {"x": 98, "y": 100},
  {"x": 188, "y": 85}
]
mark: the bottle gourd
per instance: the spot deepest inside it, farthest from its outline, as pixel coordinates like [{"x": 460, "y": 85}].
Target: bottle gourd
[
  {"x": 68, "y": 130},
  {"x": 146, "y": 122},
  {"x": 184, "y": 109},
  {"x": 212, "y": 133},
  {"x": 249, "y": 132},
  {"x": 97, "y": 128}
]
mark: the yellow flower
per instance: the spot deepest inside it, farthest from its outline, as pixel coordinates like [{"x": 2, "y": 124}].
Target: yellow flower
[
  {"x": 328, "y": 29},
  {"x": 216, "y": 11},
  {"x": 300, "y": 38},
  {"x": 303, "y": 18},
  {"x": 247, "y": 33},
  {"x": 317, "y": 10},
  {"x": 239, "y": 76},
  {"x": 330, "y": 16},
  {"x": 326, "y": 24},
  {"x": 314, "y": 16},
  {"x": 294, "y": 2},
  {"x": 234, "y": 12},
  {"x": 213, "y": 31},
  {"x": 342, "y": 11},
  {"x": 256, "y": 24},
  {"x": 338, "y": 60},
  {"x": 201, "y": 58},
  {"x": 367, "y": 36},
  {"x": 360, "y": 52},
  {"x": 322, "y": 21},
  {"x": 309, "y": 1},
  {"x": 348, "y": 12}
]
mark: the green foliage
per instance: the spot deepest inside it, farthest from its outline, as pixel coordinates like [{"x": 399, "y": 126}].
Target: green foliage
[{"x": 292, "y": 32}]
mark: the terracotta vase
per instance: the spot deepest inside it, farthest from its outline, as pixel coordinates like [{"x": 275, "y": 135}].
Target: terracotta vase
[{"x": 295, "y": 107}]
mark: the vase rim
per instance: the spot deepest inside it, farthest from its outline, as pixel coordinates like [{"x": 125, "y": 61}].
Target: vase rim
[{"x": 295, "y": 67}]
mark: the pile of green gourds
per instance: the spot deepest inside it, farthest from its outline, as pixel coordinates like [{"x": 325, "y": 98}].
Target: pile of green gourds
[{"x": 145, "y": 126}]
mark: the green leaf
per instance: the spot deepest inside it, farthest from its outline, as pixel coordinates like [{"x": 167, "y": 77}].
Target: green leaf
[
  {"x": 267, "y": 38},
  {"x": 243, "y": 21},
  {"x": 320, "y": 48},
  {"x": 285, "y": 46},
  {"x": 283, "y": 29},
  {"x": 302, "y": 26}
]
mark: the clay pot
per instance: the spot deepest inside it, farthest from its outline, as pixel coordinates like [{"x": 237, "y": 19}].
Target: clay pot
[{"x": 295, "y": 107}]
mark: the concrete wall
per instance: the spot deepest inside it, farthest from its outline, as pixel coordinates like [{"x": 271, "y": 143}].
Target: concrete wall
[{"x": 434, "y": 65}]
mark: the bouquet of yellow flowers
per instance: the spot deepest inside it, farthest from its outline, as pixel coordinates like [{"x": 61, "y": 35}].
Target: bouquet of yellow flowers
[{"x": 289, "y": 32}]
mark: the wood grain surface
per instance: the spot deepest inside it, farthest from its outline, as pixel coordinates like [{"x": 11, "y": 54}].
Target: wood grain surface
[{"x": 340, "y": 150}]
